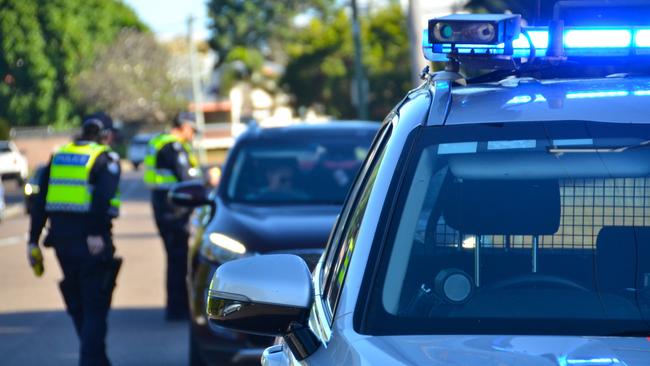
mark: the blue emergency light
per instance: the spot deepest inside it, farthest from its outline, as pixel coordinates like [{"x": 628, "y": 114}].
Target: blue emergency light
[{"x": 440, "y": 44}]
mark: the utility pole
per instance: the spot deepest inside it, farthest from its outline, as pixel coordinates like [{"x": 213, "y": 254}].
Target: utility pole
[
  {"x": 197, "y": 91},
  {"x": 415, "y": 41},
  {"x": 360, "y": 80}
]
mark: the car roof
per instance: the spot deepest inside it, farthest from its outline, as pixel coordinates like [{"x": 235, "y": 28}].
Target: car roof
[
  {"x": 616, "y": 99},
  {"x": 329, "y": 128}
]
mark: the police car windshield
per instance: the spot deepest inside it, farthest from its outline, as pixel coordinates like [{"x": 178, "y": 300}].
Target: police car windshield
[
  {"x": 305, "y": 170},
  {"x": 521, "y": 228}
]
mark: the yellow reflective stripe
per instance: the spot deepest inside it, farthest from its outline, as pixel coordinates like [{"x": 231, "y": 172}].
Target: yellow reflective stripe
[
  {"x": 153, "y": 177},
  {"x": 68, "y": 194},
  {"x": 69, "y": 172},
  {"x": 116, "y": 201},
  {"x": 193, "y": 160},
  {"x": 91, "y": 147},
  {"x": 159, "y": 175}
]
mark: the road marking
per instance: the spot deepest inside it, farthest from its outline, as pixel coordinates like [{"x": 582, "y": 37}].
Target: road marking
[{"x": 13, "y": 240}]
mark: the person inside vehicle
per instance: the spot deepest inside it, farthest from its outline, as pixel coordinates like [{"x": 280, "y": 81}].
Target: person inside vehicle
[{"x": 280, "y": 179}]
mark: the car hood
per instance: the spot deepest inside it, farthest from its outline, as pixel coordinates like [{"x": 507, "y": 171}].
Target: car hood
[
  {"x": 276, "y": 228},
  {"x": 489, "y": 350}
]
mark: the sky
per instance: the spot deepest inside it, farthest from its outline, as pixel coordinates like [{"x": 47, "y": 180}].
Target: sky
[{"x": 168, "y": 18}]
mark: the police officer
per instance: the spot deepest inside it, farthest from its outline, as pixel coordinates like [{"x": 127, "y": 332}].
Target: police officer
[
  {"x": 79, "y": 197},
  {"x": 169, "y": 160}
]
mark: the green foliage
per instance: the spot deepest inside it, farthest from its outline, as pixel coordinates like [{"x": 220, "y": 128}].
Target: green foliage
[
  {"x": 130, "y": 80},
  {"x": 254, "y": 24},
  {"x": 28, "y": 76},
  {"x": 4, "y": 130},
  {"x": 318, "y": 55},
  {"x": 44, "y": 45},
  {"x": 241, "y": 64},
  {"x": 387, "y": 59},
  {"x": 320, "y": 70}
]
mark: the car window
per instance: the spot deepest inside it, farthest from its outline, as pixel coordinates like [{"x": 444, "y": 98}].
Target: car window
[
  {"x": 4, "y": 147},
  {"x": 341, "y": 246},
  {"x": 530, "y": 228},
  {"x": 311, "y": 170}
]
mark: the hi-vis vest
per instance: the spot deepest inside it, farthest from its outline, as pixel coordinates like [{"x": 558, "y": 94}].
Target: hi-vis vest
[
  {"x": 69, "y": 189},
  {"x": 160, "y": 178}
]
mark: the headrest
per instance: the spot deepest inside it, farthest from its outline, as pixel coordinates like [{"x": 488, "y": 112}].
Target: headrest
[
  {"x": 619, "y": 250},
  {"x": 502, "y": 207}
]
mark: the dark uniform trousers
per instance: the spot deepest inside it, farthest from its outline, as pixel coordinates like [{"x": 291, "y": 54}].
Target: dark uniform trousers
[
  {"x": 173, "y": 227},
  {"x": 87, "y": 288}
]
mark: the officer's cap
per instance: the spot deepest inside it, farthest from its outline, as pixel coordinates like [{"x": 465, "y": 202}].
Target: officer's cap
[
  {"x": 185, "y": 118},
  {"x": 99, "y": 120}
]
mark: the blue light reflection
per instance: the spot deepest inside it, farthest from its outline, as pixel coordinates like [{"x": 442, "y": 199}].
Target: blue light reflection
[
  {"x": 597, "y": 38},
  {"x": 597, "y": 94},
  {"x": 642, "y": 38}
]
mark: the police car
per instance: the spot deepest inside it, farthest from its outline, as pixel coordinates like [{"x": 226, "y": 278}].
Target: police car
[{"x": 503, "y": 220}]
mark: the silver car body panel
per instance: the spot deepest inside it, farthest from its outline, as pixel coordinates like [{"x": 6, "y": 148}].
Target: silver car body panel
[
  {"x": 241, "y": 279},
  {"x": 511, "y": 101},
  {"x": 486, "y": 350}
]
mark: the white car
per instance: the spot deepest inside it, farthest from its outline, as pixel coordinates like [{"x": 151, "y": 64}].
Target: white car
[
  {"x": 138, "y": 149},
  {"x": 13, "y": 164}
]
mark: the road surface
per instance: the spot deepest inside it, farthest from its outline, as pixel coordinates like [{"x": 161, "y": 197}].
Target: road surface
[{"x": 34, "y": 328}]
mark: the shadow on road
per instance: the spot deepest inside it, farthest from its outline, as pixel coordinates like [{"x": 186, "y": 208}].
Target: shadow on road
[{"x": 136, "y": 337}]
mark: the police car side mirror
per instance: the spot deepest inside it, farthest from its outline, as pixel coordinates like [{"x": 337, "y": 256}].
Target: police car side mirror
[
  {"x": 189, "y": 194},
  {"x": 267, "y": 295}
]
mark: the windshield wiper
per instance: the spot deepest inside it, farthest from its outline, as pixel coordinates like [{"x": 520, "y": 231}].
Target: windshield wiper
[{"x": 589, "y": 149}]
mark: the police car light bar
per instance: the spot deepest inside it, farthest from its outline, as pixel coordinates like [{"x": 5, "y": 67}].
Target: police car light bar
[
  {"x": 474, "y": 28},
  {"x": 577, "y": 41},
  {"x": 642, "y": 38}
]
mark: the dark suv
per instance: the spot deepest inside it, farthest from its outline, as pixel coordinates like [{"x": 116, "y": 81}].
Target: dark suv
[{"x": 280, "y": 192}]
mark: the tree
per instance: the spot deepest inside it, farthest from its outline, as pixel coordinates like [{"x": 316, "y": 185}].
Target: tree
[
  {"x": 320, "y": 69},
  {"x": 387, "y": 56},
  {"x": 319, "y": 73},
  {"x": 28, "y": 76},
  {"x": 4, "y": 130},
  {"x": 44, "y": 45},
  {"x": 76, "y": 30},
  {"x": 131, "y": 81},
  {"x": 255, "y": 24}
]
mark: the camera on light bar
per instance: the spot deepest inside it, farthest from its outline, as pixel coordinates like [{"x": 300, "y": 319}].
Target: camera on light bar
[{"x": 484, "y": 29}]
